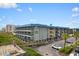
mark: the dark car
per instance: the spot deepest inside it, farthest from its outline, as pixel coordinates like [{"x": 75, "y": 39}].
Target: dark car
[{"x": 77, "y": 49}]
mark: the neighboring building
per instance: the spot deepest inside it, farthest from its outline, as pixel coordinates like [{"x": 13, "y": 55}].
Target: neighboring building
[
  {"x": 76, "y": 30},
  {"x": 9, "y": 28},
  {"x": 39, "y": 32},
  {"x": 3, "y": 30}
]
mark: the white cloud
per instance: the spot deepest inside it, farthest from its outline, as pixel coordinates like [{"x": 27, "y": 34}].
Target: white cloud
[
  {"x": 75, "y": 9},
  {"x": 8, "y": 5},
  {"x": 74, "y": 15},
  {"x": 33, "y": 20},
  {"x": 30, "y": 9},
  {"x": 0, "y": 19},
  {"x": 3, "y": 17},
  {"x": 73, "y": 23},
  {"x": 18, "y": 9}
]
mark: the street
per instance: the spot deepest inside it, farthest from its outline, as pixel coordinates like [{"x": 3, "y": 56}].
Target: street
[{"x": 48, "y": 50}]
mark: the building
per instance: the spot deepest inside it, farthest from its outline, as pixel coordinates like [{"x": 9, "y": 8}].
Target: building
[
  {"x": 32, "y": 31},
  {"x": 3, "y": 30},
  {"x": 9, "y": 28},
  {"x": 56, "y": 32},
  {"x": 39, "y": 32}
]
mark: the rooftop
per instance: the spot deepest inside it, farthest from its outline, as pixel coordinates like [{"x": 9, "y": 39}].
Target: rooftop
[{"x": 41, "y": 25}]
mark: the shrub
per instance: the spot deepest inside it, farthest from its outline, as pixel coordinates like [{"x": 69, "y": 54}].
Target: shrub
[
  {"x": 30, "y": 52},
  {"x": 67, "y": 50}
]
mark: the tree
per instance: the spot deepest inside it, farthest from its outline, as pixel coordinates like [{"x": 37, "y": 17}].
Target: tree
[
  {"x": 64, "y": 37},
  {"x": 76, "y": 35}
]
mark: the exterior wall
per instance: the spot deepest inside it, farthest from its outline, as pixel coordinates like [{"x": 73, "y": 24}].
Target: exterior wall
[
  {"x": 25, "y": 33},
  {"x": 10, "y": 28},
  {"x": 36, "y": 33},
  {"x": 51, "y": 33},
  {"x": 40, "y": 33},
  {"x": 43, "y": 34}
]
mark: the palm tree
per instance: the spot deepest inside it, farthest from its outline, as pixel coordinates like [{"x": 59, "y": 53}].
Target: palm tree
[
  {"x": 65, "y": 36},
  {"x": 76, "y": 35}
]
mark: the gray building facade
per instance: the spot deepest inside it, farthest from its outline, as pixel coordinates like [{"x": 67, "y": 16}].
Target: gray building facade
[{"x": 40, "y": 32}]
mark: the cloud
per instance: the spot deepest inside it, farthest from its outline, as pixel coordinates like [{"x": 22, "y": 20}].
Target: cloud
[
  {"x": 8, "y": 5},
  {"x": 0, "y": 19},
  {"x": 74, "y": 15},
  {"x": 18, "y": 9},
  {"x": 33, "y": 20},
  {"x": 30, "y": 9},
  {"x": 73, "y": 23},
  {"x": 75, "y": 9}
]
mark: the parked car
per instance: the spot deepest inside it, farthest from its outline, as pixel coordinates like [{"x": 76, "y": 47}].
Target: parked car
[
  {"x": 76, "y": 52},
  {"x": 56, "y": 47},
  {"x": 77, "y": 49}
]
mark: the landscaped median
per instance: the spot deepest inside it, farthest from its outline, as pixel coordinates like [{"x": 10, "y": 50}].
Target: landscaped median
[{"x": 68, "y": 49}]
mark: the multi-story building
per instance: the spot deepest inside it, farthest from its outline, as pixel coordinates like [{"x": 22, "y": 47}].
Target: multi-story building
[
  {"x": 9, "y": 28},
  {"x": 39, "y": 31},
  {"x": 32, "y": 31}
]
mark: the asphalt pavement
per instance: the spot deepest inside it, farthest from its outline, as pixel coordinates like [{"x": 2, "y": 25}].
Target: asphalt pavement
[{"x": 47, "y": 50}]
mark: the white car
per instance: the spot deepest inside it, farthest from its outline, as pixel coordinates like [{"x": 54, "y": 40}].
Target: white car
[
  {"x": 56, "y": 47},
  {"x": 72, "y": 54}
]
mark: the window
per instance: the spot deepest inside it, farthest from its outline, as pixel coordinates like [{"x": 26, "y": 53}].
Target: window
[
  {"x": 36, "y": 32},
  {"x": 51, "y": 32},
  {"x": 29, "y": 32},
  {"x": 51, "y": 35},
  {"x": 29, "y": 38}
]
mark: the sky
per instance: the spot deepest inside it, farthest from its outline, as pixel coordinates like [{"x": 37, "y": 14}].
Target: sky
[{"x": 57, "y": 14}]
